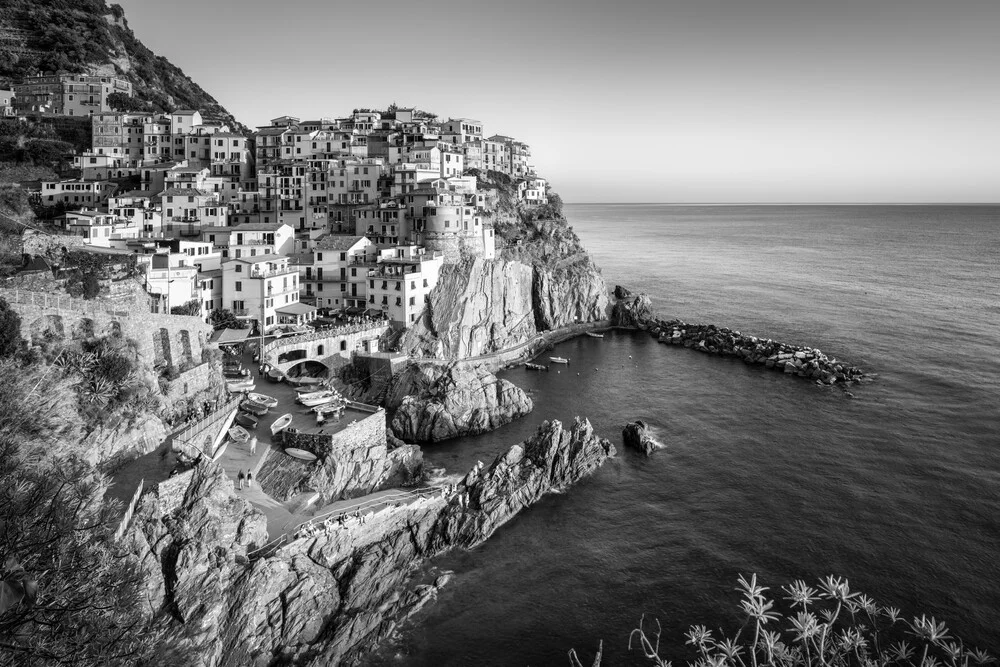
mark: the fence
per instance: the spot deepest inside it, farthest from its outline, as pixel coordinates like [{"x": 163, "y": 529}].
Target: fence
[
  {"x": 189, "y": 433},
  {"x": 127, "y": 519},
  {"x": 287, "y": 537},
  {"x": 59, "y": 302}
]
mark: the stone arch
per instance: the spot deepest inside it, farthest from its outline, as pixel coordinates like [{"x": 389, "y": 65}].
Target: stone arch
[
  {"x": 114, "y": 329},
  {"x": 84, "y": 328},
  {"x": 161, "y": 347},
  {"x": 184, "y": 338}
]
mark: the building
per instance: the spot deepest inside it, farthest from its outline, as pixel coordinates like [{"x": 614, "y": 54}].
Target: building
[
  {"x": 77, "y": 193},
  {"x": 67, "y": 94},
  {"x": 98, "y": 228},
  {"x": 254, "y": 288},
  {"x": 172, "y": 281},
  {"x": 334, "y": 274},
  {"x": 7, "y": 102},
  {"x": 400, "y": 283}
]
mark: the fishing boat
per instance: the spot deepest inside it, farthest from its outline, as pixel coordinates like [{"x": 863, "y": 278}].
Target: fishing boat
[
  {"x": 235, "y": 372},
  {"x": 239, "y": 434},
  {"x": 246, "y": 421},
  {"x": 281, "y": 423},
  {"x": 300, "y": 454},
  {"x": 559, "y": 360},
  {"x": 253, "y": 407},
  {"x": 536, "y": 367},
  {"x": 263, "y": 399},
  {"x": 594, "y": 335},
  {"x": 239, "y": 386},
  {"x": 274, "y": 375},
  {"x": 320, "y": 398}
]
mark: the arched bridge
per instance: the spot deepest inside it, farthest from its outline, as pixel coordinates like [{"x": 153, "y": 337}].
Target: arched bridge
[{"x": 330, "y": 347}]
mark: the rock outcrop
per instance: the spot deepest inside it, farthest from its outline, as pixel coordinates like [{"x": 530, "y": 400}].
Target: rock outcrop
[
  {"x": 636, "y": 435},
  {"x": 436, "y": 402},
  {"x": 799, "y": 360},
  {"x": 329, "y": 596},
  {"x": 478, "y": 307}
]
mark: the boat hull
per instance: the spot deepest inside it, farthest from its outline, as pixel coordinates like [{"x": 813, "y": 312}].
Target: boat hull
[{"x": 281, "y": 423}]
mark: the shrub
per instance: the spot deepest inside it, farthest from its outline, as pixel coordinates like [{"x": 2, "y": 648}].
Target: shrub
[
  {"x": 829, "y": 625},
  {"x": 10, "y": 329}
]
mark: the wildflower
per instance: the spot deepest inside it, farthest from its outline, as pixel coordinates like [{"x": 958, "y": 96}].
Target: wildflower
[
  {"x": 901, "y": 651},
  {"x": 729, "y": 648},
  {"x": 892, "y": 613},
  {"x": 928, "y": 629},
  {"x": 806, "y": 625},
  {"x": 759, "y": 609},
  {"x": 750, "y": 588},
  {"x": 835, "y": 588},
  {"x": 852, "y": 639},
  {"x": 699, "y": 636},
  {"x": 800, "y": 594},
  {"x": 980, "y": 657}
]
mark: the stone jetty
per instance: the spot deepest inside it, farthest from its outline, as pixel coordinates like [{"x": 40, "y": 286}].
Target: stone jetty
[{"x": 797, "y": 360}]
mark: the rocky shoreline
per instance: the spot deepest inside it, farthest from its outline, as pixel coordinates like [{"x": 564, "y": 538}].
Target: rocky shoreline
[{"x": 635, "y": 312}]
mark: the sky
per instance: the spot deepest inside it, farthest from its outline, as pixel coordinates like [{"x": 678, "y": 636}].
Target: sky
[{"x": 679, "y": 101}]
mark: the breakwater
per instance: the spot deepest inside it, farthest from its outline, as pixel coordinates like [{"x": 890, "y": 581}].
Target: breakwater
[{"x": 799, "y": 360}]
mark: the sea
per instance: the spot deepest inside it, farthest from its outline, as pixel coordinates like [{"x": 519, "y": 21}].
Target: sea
[{"x": 893, "y": 484}]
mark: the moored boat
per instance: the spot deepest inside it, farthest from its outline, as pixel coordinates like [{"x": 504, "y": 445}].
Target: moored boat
[
  {"x": 305, "y": 381},
  {"x": 301, "y": 454},
  {"x": 559, "y": 360},
  {"x": 263, "y": 399},
  {"x": 245, "y": 420},
  {"x": 239, "y": 434},
  {"x": 536, "y": 367},
  {"x": 240, "y": 387},
  {"x": 319, "y": 399},
  {"x": 253, "y": 407},
  {"x": 594, "y": 335},
  {"x": 281, "y": 423},
  {"x": 274, "y": 375}
]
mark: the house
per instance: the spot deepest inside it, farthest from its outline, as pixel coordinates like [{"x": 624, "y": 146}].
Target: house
[
  {"x": 7, "y": 102},
  {"x": 171, "y": 281},
  {"x": 402, "y": 280},
  {"x": 255, "y": 287},
  {"x": 98, "y": 228},
  {"x": 334, "y": 274},
  {"x": 67, "y": 94},
  {"x": 76, "y": 192}
]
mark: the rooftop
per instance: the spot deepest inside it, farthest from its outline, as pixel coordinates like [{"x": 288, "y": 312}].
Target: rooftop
[{"x": 338, "y": 242}]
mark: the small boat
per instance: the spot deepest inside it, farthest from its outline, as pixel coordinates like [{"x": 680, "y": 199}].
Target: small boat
[
  {"x": 235, "y": 373},
  {"x": 301, "y": 454},
  {"x": 305, "y": 383},
  {"x": 281, "y": 423},
  {"x": 245, "y": 420},
  {"x": 274, "y": 375},
  {"x": 311, "y": 392},
  {"x": 253, "y": 407},
  {"x": 559, "y": 360},
  {"x": 322, "y": 398},
  {"x": 239, "y": 434},
  {"x": 239, "y": 383},
  {"x": 239, "y": 388},
  {"x": 536, "y": 367},
  {"x": 263, "y": 399},
  {"x": 594, "y": 335}
]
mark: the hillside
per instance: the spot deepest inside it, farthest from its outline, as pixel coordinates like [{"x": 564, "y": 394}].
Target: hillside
[{"x": 89, "y": 36}]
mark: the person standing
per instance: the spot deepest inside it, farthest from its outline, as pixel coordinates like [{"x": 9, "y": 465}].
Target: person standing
[
  {"x": 240, "y": 478},
  {"x": 253, "y": 445},
  {"x": 249, "y": 479}
]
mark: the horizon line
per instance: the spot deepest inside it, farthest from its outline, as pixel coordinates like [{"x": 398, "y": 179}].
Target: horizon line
[{"x": 791, "y": 203}]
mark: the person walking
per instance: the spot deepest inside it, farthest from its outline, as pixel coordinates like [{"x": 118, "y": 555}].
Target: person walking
[
  {"x": 249, "y": 479},
  {"x": 240, "y": 478},
  {"x": 253, "y": 445}
]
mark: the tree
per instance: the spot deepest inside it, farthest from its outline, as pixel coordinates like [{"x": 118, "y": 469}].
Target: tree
[
  {"x": 57, "y": 539},
  {"x": 125, "y": 103},
  {"x": 10, "y": 329},
  {"x": 192, "y": 307},
  {"x": 226, "y": 319}
]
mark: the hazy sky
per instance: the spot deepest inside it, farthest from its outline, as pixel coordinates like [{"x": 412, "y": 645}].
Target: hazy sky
[{"x": 638, "y": 100}]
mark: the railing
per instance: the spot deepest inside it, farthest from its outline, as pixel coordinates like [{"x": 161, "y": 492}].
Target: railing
[
  {"x": 272, "y": 273},
  {"x": 58, "y": 302},
  {"x": 129, "y": 511},
  {"x": 280, "y": 541},
  {"x": 320, "y": 335},
  {"x": 185, "y": 436}
]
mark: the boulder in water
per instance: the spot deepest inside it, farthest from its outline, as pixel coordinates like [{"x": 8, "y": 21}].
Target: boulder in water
[
  {"x": 622, "y": 292},
  {"x": 636, "y": 435}
]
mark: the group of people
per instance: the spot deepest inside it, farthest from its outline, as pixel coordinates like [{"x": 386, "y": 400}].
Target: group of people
[
  {"x": 248, "y": 477},
  {"x": 326, "y": 526}
]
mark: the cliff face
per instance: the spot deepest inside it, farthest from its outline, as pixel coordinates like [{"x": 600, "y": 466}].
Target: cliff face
[
  {"x": 477, "y": 307},
  {"x": 437, "y": 402},
  {"x": 328, "y": 598}
]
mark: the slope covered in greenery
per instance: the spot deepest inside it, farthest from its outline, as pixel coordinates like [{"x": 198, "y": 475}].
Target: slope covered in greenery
[{"x": 89, "y": 36}]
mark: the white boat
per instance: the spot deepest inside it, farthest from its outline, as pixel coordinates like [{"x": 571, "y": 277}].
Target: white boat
[
  {"x": 559, "y": 360},
  {"x": 310, "y": 392},
  {"x": 263, "y": 399},
  {"x": 320, "y": 399},
  {"x": 240, "y": 386},
  {"x": 239, "y": 434},
  {"x": 300, "y": 454},
  {"x": 281, "y": 423},
  {"x": 594, "y": 335}
]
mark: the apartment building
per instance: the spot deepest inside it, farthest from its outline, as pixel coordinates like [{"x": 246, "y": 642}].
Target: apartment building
[
  {"x": 255, "y": 288},
  {"x": 401, "y": 281}
]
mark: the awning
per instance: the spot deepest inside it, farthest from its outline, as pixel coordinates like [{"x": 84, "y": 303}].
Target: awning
[
  {"x": 229, "y": 336},
  {"x": 296, "y": 308}
]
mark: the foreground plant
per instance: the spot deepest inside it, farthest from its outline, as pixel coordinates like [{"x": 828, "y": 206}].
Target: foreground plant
[{"x": 827, "y": 626}]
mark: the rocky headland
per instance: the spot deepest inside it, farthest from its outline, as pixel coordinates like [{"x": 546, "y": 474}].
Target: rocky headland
[
  {"x": 635, "y": 312},
  {"x": 332, "y": 592}
]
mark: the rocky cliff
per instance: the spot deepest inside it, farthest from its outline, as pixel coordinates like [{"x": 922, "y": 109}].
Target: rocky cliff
[
  {"x": 329, "y": 596},
  {"x": 435, "y": 402}
]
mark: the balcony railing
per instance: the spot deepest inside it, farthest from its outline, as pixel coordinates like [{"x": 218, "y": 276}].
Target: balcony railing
[{"x": 273, "y": 272}]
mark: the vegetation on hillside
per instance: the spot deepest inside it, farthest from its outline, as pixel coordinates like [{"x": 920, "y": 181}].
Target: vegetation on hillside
[
  {"x": 78, "y": 36},
  {"x": 826, "y": 626}
]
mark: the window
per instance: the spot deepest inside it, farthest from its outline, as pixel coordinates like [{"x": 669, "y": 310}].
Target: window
[
  {"x": 413, "y": 300},
  {"x": 239, "y": 268},
  {"x": 319, "y": 256},
  {"x": 239, "y": 286}
]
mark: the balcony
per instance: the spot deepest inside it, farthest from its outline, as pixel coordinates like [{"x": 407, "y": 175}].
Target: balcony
[{"x": 273, "y": 272}]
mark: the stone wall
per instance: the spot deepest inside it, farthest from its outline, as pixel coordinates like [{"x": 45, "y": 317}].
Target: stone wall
[
  {"x": 170, "y": 493},
  {"x": 364, "y": 434}
]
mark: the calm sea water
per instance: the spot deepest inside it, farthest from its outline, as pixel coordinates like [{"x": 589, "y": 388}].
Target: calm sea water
[{"x": 897, "y": 488}]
